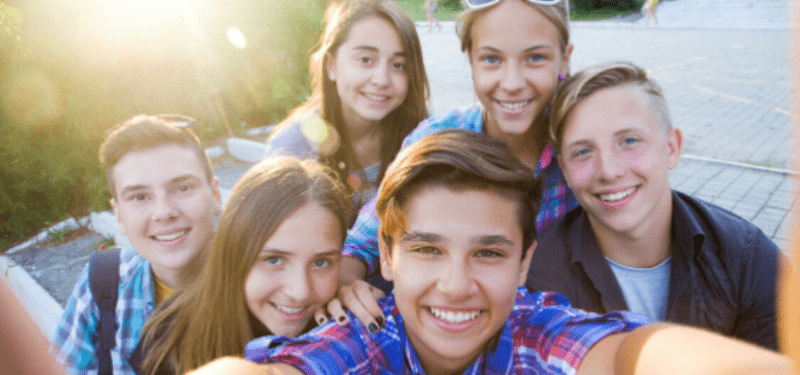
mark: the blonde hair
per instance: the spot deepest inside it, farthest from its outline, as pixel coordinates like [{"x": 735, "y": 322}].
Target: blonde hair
[
  {"x": 210, "y": 317},
  {"x": 603, "y": 76},
  {"x": 340, "y": 18},
  {"x": 557, "y": 13}
]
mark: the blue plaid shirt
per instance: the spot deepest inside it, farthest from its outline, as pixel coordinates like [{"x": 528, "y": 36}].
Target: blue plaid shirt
[
  {"x": 543, "y": 335},
  {"x": 73, "y": 344},
  {"x": 557, "y": 198}
]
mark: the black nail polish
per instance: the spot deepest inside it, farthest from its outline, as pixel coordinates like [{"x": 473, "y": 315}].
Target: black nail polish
[
  {"x": 372, "y": 328},
  {"x": 322, "y": 321},
  {"x": 341, "y": 319},
  {"x": 379, "y": 320}
]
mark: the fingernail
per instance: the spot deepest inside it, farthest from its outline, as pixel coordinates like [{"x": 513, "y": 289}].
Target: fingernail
[
  {"x": 372, "y": 328},
  {"x": 379, "y": 320},
  {"x": 322, "y": 321},
  {"x": 341, "y": 319}
]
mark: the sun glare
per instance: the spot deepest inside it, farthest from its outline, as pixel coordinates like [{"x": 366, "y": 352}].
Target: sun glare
[{"x": 236, "y": 37}]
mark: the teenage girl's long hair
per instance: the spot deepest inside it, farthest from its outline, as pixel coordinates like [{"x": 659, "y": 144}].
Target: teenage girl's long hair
[{"x": 210, "y": 318}]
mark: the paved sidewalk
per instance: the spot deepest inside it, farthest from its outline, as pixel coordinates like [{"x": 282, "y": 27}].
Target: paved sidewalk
[{"x": 725, "y": 68}]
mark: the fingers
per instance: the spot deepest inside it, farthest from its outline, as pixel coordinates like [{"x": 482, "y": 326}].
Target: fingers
[
  {"x": 320, "y": 316},
  {"x": 336, "y": 310},
  {"x": 362, "y": 300}
]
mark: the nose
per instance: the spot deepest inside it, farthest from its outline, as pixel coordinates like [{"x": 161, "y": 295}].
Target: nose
[
  {"x": 380, "y": 75},
  {"x": 297, "y": 285},
  {"x": 165, "y": 209},
  {"x": 609, "y": 165},
  {"x": 455, "y": 280},
  {"x": 512, "y": 79}
]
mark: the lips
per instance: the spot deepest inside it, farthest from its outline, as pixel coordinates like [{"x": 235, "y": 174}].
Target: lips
[
  {"x": 170, "y": 236},
  {"x": 454, "y": 317},
  {"x": 291, "y": 313},
  {"x": 376, "y": 98},
  {"x": 513, "y": 105},
  {"x": 615, "y": 197}
]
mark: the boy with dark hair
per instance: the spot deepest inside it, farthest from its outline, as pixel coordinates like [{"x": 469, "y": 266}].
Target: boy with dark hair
[
  {"x": 165, "y": 198},
  {"x": 634, "y": 243}
]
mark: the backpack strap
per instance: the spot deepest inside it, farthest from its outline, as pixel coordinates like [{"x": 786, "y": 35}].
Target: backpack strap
[{"x": 104, "y": 283}]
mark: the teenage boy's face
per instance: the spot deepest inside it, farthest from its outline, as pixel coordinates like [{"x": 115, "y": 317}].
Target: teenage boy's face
[
  {"x": 165, "y": 205},
  {"x": 616, "y": 158},
  {"x": 456, "y": 270}
]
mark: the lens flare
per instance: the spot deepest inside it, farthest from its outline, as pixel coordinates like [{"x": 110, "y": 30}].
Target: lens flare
[{"x": 236, "y": 37}]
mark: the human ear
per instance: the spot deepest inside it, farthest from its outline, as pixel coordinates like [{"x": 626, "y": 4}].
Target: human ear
[
  {"x": 674, "y": 147},
  {"x": 386, "y": 260},
  {"x": 564, "y": 68},
  {"x": 115, "y": 208},
  {"x": 330, "y": 66},
  {"x": 526, "y": 264},
  {"x": 217, "y": 194}
]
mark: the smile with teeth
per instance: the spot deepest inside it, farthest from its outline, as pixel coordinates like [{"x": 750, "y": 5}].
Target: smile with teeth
[
  {"x": 617, "y": 196},
  {"x": 513, "y": 105},
  {"x": 454, "y": 317},
  {"x": 171, "y": 236},
  {"x": 377, "y": 98},
  {"x": 290, "y": 310}
]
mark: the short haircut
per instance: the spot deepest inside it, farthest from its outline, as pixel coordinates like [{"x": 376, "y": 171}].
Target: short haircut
[
  {"x": 143, "y": 132},
  {"x": 458, "y": 160},
  {"x": 603, "y": 76}
]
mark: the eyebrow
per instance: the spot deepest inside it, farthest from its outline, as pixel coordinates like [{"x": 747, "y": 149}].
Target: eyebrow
[
  {"x": 173, "y": 181},
  {"x": 368, "y": 47},
  {"x": 529, "y": 49},
  {"x": 289, "y": 253},
  {"x": 485, "y": 240}
]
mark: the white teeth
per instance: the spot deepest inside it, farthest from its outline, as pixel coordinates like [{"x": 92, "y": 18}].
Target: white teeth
[
  {"x": 170, "y": 237},
  {"x": 513, "y": 105},
  {"x": 289, "y": 310},
  {"x": 378, "y": 98},
  {"x": 453, "y": 317},
  {"x": 617, "y": 196}
]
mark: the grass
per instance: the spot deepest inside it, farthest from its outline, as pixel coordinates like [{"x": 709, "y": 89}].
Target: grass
[{"x": 413, "y": 9}]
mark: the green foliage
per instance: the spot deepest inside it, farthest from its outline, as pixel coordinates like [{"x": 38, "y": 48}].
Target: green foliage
[
  {"x": 59, "y": 235},
  {"x": 71, "y": 73},
  {"x": 448, "y": 9},
  {"x": 607, "y": 5}
]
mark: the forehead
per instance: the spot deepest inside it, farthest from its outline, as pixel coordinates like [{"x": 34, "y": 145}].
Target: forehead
[
  {"x": 462, "y": 216},
  {"x": 514, "y": 25},
  {"x": 157, "y": 166},
  {"x": 608, "y": 111},
  {"x": 373, "y": 32},
  {"x": 307, "y": 232}
]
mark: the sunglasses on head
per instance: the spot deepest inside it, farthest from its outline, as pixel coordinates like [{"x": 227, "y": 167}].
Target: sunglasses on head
[{"x": 477, "y": 4}]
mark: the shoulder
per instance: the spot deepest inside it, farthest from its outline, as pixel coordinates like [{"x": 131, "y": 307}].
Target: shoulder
[
  {"x": 469, "y": 118},
  {"x": 291, "y": 139}
]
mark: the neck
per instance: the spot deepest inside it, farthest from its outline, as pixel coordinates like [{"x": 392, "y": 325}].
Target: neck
[
  {"x": 168, "y": 277},
  {"x": 365, "y": 140},
  {"x": 526, "y": 147},
  {"x": 645, "y": 247}
]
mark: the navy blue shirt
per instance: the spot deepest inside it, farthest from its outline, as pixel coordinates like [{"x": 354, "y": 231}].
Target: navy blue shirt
[{"x": 722, "y": 276}]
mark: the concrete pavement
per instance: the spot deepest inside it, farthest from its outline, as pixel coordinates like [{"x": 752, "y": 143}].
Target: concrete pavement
[{"x": 724, "y": 65}]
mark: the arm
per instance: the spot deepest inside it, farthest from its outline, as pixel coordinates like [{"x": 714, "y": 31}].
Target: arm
[
  {"x": 239, "y": 366},
  {"x": 758, "y": 279},
  {"x": 24, "y": 348},
  {"x": 662, "y": 348}
]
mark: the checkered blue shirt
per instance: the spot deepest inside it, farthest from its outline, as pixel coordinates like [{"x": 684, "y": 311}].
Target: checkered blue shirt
[
  {"x": 543, "y": 335},
  {"x": 557, "y": 198},
  {"x": 73, "y": 344}
]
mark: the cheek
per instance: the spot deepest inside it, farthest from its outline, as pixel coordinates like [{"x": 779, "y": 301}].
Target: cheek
[
  {"x": 325, "y": 285},
  {"x": 257, "y": 285}
]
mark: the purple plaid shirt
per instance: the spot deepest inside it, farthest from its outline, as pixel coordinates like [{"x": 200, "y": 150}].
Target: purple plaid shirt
[
  {"x": 543, "y": 335},
  {"x": 557, "y": 198}
]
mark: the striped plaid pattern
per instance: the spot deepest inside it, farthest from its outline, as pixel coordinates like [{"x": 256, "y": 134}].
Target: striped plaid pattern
[
  {"x": 543, "y": 335},
  {"x": 557, "y": 198},
  {"x": 73, "y": 344}
]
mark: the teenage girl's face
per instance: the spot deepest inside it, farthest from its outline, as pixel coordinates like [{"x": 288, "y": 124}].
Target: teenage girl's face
[
  {"x": 369, "y": 69},
  {"x": 296, "y": 271},
  {"x": 516, "y": 58}
]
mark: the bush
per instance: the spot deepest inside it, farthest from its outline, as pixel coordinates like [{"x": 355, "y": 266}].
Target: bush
[
  {"x": 622, "y": 5},
  {"x": 70, "y": 75}
]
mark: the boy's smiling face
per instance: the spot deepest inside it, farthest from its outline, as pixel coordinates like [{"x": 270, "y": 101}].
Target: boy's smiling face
[
  {"x": 456, "y": 269},
  {"x": 616, "y": 157}
]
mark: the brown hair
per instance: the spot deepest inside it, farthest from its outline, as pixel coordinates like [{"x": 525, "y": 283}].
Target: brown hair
[
  {"x": 458, "y": 160},
  {"x": 143, "y": 132},
  {"x": 210, "y": 317},
  {"x": 558, "y": 14},
  {"x": 340, "y": 18},
  {"x": 602, "y": 76}
]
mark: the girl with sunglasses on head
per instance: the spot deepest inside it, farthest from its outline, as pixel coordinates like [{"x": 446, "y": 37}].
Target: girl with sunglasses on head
[
  {"x": 272, "y": 263},
  {"x": 518, "y": 51},
  {"x": 369, "y": 91}
]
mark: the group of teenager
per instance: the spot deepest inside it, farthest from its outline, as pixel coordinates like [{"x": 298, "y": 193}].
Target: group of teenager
[{"x": 534, "y": 232}]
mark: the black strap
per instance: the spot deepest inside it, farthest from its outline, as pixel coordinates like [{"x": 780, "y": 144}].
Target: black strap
[{"x": 103, "y": 283}]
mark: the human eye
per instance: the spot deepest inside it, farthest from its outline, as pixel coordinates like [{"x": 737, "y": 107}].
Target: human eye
[
  {"x": 183, "y": 188},
  {"x": 489, "y": 253},
  {"x": 536, "y": 57},
  {"x": 399, "y": 65},
  {"x": 273, "y": 260},
  {"x": 322, "y": 263},
  {"x": 365, "y": 59},
  {"x": 136, "y": 197},
  {"x": 630, "y": 140},
  {"x": 581, "y": 152},
  {"x": 490, "y": 59},
  {"x": 426, "y": 250}
]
